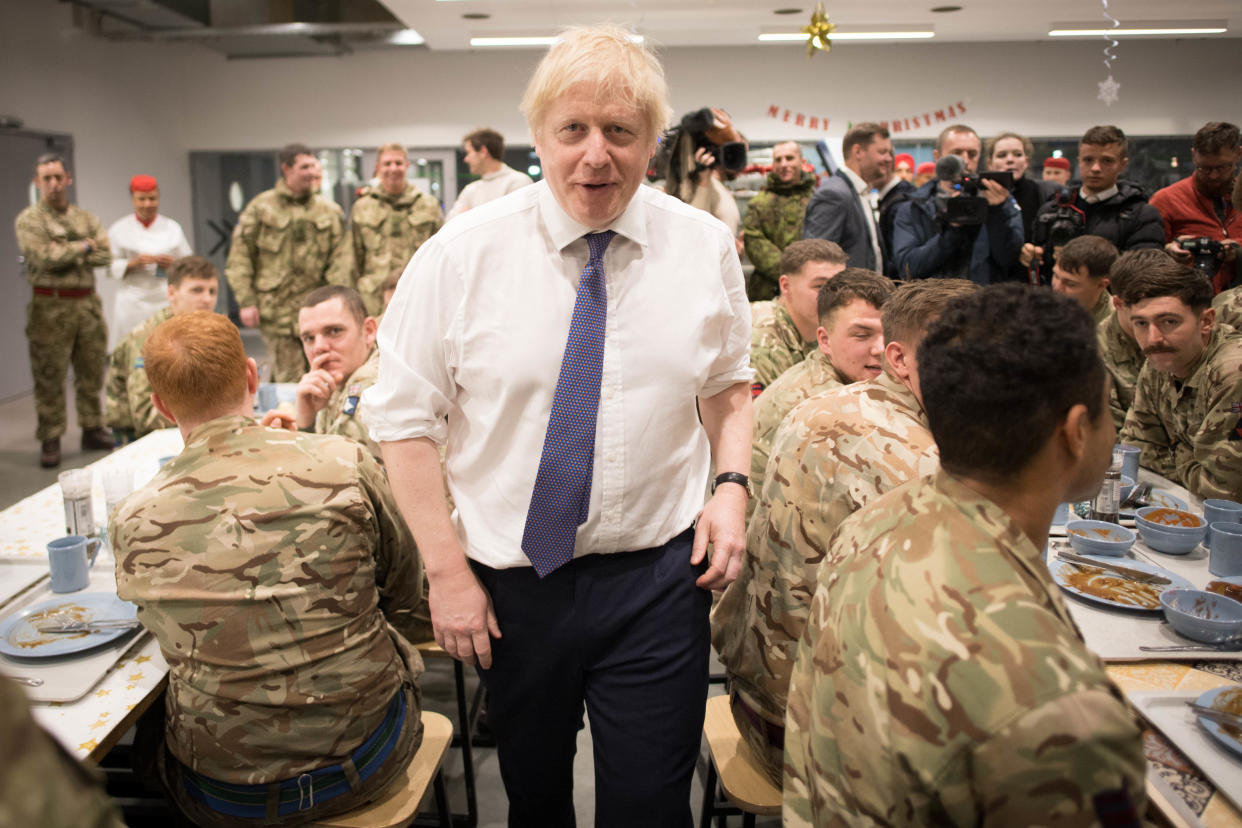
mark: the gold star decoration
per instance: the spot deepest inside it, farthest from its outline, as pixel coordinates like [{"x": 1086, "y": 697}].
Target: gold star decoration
[
  {"x": 101, "y": 693},
  {"x": 135, "y": 676},
  {"x": 819, "y": 31},
  {"x": 141, "y": 659},
  {"x": 88, "y": 745}
]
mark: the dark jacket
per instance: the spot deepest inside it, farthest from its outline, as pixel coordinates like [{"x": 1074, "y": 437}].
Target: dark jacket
[
  {"x": 921, "y": 249},
  {"x": 897, "y": 195},
  {"x": 835, "y": 213},
  {"x": 1126, "y": 219}
]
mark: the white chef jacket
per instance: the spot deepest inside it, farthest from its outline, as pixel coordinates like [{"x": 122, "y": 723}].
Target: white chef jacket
[{"x": 141, "y": 292}]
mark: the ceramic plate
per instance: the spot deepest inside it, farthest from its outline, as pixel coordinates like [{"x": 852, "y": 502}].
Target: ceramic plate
[
  {"x": 19, "y": 638},
  {"x": 1229, "y": 737},
  {"x": 1113, "y": 591},
  {"x": 1159, "y": 497}
]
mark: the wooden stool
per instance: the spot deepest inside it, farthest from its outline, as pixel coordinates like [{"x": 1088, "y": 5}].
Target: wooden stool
[
  {"x": 742, "y": 779},
  {"x": 399, "y": 805},
  {"x": 465, "y": 724}
]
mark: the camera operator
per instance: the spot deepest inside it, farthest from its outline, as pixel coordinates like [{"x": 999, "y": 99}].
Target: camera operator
[
  {"x": 704, "y": 147},
  {"x": 1202, "y": 224},
  {"x": 1100, "y": 205},
  {"x": 1011, "y": 152},
  {"x": 957, "y": 224}
]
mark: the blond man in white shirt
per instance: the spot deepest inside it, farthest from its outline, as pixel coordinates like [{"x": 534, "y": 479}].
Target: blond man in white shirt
[
  {"x": 473, "y": 356},
  {"x": 485, "y": 153}
]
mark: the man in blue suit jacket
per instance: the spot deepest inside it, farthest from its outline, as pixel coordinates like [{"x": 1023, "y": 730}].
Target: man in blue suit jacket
[{"x": 841, "y": 211}]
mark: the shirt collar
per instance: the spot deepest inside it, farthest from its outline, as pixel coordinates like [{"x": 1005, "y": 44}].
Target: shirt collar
[
  {"x": 565, "y": 230},
  {"x": 499, "y": 172},
  {"x": 1105, "y": 195},
  {"x": 860, "y": 186}
]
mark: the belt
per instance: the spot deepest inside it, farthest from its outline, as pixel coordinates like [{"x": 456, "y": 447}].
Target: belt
[
  {"x": 304, "y": 790},
  {"x": 774, "y": 733},
  {"x": 65, "y": 293}
]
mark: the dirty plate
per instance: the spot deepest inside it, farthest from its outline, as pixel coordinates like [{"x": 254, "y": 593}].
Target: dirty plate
[{"x": 20, "y": 638}]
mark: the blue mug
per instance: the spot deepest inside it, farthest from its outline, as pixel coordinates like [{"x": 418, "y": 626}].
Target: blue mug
[
  {"x": 1225, "y": 559},
  {"x": 70, "y": 564},
  {"x": 1219, "y": 511}
]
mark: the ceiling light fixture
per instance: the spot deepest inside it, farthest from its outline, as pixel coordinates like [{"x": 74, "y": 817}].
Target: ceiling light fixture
[
  {"x": 790, "y": 37},
  {"x": 526, "y": 41},
  {"x": 475, "y": 16},
  {"x": 945, "y": 9},
  {"x": 406, "y": 37},
  {"x": 787, "y": 11},
  {"x": 1134, "y": 31}
]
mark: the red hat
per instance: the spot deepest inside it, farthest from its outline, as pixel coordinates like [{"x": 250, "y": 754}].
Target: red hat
[
  {"x": 905, "y": 156},
  {"x": 142, "y": 183},
  {"x": 1057, "y": 163},
  {"x": 926, "y": 168}
]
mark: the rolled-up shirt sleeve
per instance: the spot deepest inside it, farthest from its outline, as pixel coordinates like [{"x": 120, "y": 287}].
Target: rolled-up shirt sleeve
[
  {"x": 418, "y": 353},
  {"x": 732, "y": 364}
]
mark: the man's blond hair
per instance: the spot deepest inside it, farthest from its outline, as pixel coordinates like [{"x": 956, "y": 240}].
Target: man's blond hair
[
  {"x": 391, "y": 147},
  {"x": 604, "y": 56}
]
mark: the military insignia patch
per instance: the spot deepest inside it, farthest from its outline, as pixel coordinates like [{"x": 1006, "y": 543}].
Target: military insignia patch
[
  {"x": 756, "y": 388},
  {"x": 351, "y": 399},
  {"x": 139, "y": 362}
]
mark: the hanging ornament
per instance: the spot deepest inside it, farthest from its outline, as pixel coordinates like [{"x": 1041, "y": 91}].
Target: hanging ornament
[
  {"x": 819, "y": 31},
  {"x": 1109, "y": 88}
]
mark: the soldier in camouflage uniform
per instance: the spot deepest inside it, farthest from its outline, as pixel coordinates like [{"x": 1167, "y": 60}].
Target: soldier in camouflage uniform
[
  {"x": 782, "y": 331},
  {"x": 288, "y": 241},
  {"x": 832, "y": 455},
  {"x": 940, "y": 679},
  {"x": 774, "y": 219},
  {"x": 1121, "y": 353},
  {"x": 388, "y": 222},
  {"x": 193, "y": 283},
  {"x": 1187, "y": 410},
  {"x": 62, "y": 245},
  {"x": 1082, "y": 272},
  {"x": 851, "y": 348},
  {"x": 283, "y": 586},
  {"x": 40, "y": 785}
]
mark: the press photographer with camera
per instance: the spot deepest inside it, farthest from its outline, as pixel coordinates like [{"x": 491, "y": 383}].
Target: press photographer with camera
[
  {"x": 1100, "y": 205},
  {"x": 959, "y": 224},
  {"x": 703, "y": 147},
  {"x": 1202, "y": 223}
]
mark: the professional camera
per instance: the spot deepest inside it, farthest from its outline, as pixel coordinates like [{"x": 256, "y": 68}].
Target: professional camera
[
  {"x": 1206, "y": 252},
  {"x": 713, "y": 131},
  {"x": 1056, "y": 228},
  {"x": 968, "y": 208}
]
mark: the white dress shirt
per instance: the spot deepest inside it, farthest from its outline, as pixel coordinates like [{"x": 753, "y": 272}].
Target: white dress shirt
[
  {"x": 141, "y": 293},
  {"x": 489, "y": 188},
  {"x": 867, "y": 197},
  {"x": 471, "y": 348}
]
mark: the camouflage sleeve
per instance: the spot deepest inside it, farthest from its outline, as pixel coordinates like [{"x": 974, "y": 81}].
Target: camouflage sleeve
[
  {"x": 1212, "y": 465},
  {"x": 101, "y": 255},
  {"x": 239, "y": 269},
  {"x": 398, "y": 567},
  {"x": 762, "y": 252},
  {"x": 770, "y": 363},
  {"x": 141, "y": 410},
  {"x": 1074, "y": 761},
  {"x": 357, "y": 249},
  {"x": 42, "y": 252},
  {"x": 341, "y": 259},
  {"x": 1145, "y": 430},
  {"x": 116, "y": 401}
]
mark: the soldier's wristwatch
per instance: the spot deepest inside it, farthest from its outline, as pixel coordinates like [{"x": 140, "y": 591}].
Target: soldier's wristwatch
[{"x": 733, "y": 477}]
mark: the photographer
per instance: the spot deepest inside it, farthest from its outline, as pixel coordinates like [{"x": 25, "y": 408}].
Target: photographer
[
  {"x": 958, "y": 225},
  {"x": 1100, "y": 205},
  {"x": 1202, "y": 225},
  {"x": 1010, "y": 152},
  {"x": 705, "y": 146}
]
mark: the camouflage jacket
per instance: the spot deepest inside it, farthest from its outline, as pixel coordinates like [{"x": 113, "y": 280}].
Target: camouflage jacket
[
  {"x": 1191, "y": 432},
  {"x": 52, "y": 240},
  {"x": 1124, "y": 359},
  {"x": 832, "y": 455},
  {"x": 283, "y": 248},
  {"x": 773, "y": 220},
  {"x": 813, "y": 375},
  {"x": 775, "y": 344},
  {"x": 41, "y": 785},
  {"x": 283, "y": 587},
  {"x": 342, "y": 414},
  {"x": 386, "y": 231},
  {"x": 1228, "y": 304},
  {"x": 941, "y": 681},
  {"x": 128, "y": 403},
  {"x": 1103, "y": 307}
]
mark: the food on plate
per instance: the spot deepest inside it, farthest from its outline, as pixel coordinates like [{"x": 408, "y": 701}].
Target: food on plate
[{"x": 1099, "y": 584}]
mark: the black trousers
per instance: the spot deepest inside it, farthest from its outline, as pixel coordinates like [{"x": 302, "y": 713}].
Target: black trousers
[{"x": 625, "y": 635}]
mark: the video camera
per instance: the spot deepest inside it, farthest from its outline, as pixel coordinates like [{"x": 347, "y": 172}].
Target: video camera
[
  {"x": 1206, "y": 252},
  {"x": 713, "y": 131},
  {"x": 1056, "y": 228},
  {"x": 969, "y": 209}
]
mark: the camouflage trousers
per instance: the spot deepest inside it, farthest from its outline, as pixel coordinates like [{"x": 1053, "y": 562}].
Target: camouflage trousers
[
  {"x": 61, "y": 331},
  {"x": 769, "y": 758},
  {"x": 284, "y": 355}
]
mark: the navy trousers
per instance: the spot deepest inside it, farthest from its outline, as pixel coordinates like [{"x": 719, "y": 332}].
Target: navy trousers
[{"x": 627, "y": 637}]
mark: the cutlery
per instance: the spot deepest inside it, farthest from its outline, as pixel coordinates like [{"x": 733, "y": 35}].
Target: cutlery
[
  {"x": 1138, "y": 496},
  {"x": 102, "y": 625},
  {"x": 29, "y": 682},
  {"x": 1218, "y": 716},
  {"x": 1229, "y": 647},
  {"x": 1124, "y": 572}
]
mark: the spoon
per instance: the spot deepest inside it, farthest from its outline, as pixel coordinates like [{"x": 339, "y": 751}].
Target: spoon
[{"x": 29, "y": 682}]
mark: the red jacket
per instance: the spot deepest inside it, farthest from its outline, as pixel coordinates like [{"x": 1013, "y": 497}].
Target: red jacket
[{"x": 1186, "y": 212}]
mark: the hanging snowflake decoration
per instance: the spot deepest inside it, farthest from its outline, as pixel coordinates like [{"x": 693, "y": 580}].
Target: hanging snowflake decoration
[
  {"x": 1109, "y": 90},
  {"x": 818, "y": 31}
]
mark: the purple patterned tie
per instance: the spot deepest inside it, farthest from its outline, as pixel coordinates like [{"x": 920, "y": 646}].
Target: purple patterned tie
[{"x": 562, "y": 495}]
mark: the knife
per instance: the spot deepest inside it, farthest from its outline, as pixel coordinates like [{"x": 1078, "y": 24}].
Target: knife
[
  {"x": 102, "y": 625},
  {"x": 1218, "y": 716},
  {"x": 1125, "y": 572}
]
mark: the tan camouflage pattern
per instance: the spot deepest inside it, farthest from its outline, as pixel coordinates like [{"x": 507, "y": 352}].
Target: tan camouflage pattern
[
  {"x": 283, "y": 587},
  {"x": 1103, "y": 307},
  {"x": 1192, "y": 435},
  {"x": 833, "y": 454},
  {"x": 811, "y": 376},
  {"x": 343, "y": 413},
  {"x": 283, "y": 248},
  {"x": 128, "y": 404},
  {"x": 775, "y": 344},
  {"x": 773, "y": 220},
  {"x": 386, "y": 231},
  {"x": 1228, "y": 304},
  {"x": 1124, "y": 360},
  {"x": 941, "y": 681},
  {"x": 50, "y": 240},
  {"x": 41, "y": 785}
]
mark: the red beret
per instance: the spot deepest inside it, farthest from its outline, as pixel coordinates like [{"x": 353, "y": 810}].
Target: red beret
[
  {"x": 905, "y": 156},
  {"x": 142, "y": 183},
  {"x": 926, "y": 168},
  {"x": 1057, "y": 163}
]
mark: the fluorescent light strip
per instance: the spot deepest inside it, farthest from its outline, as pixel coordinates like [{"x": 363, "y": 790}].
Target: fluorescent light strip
[
  {"x": 541, "y": 40},
  {"x": 406, "y": 37},
  {"x": 1131, "y": 32},
  {"x": 787, "y": 37}
]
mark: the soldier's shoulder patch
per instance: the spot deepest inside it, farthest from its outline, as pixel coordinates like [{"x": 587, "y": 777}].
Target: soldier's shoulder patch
[
  {"x": 139, "y": 362},
  {"x": 1236, "y": 434},
  {"x": 1236, "y": 407},
  {"x": 756, "y": 388},
  {"x": 352, "y": 394}
]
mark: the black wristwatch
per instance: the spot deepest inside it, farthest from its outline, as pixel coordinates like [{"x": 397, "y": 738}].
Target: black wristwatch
[{"x": 732, "y": 477}]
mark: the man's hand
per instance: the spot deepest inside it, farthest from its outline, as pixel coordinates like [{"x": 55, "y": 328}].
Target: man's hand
[
  {"x": 314, "y": 391},
  {"x": 703, "y": 163},
  {"x": 249, "y": 316},
  {"x": 1175, "y": 249},
  {"x": 164, "y": 260},
  {"x": 141, "y": 260},
  {"x": 462, "y": 617},
  {"x": 722, "y": 523},
  {"x": 993, "y": 192},
  {"x": 279, "y": 419},
  {"x": 1029, "y": 252}
]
